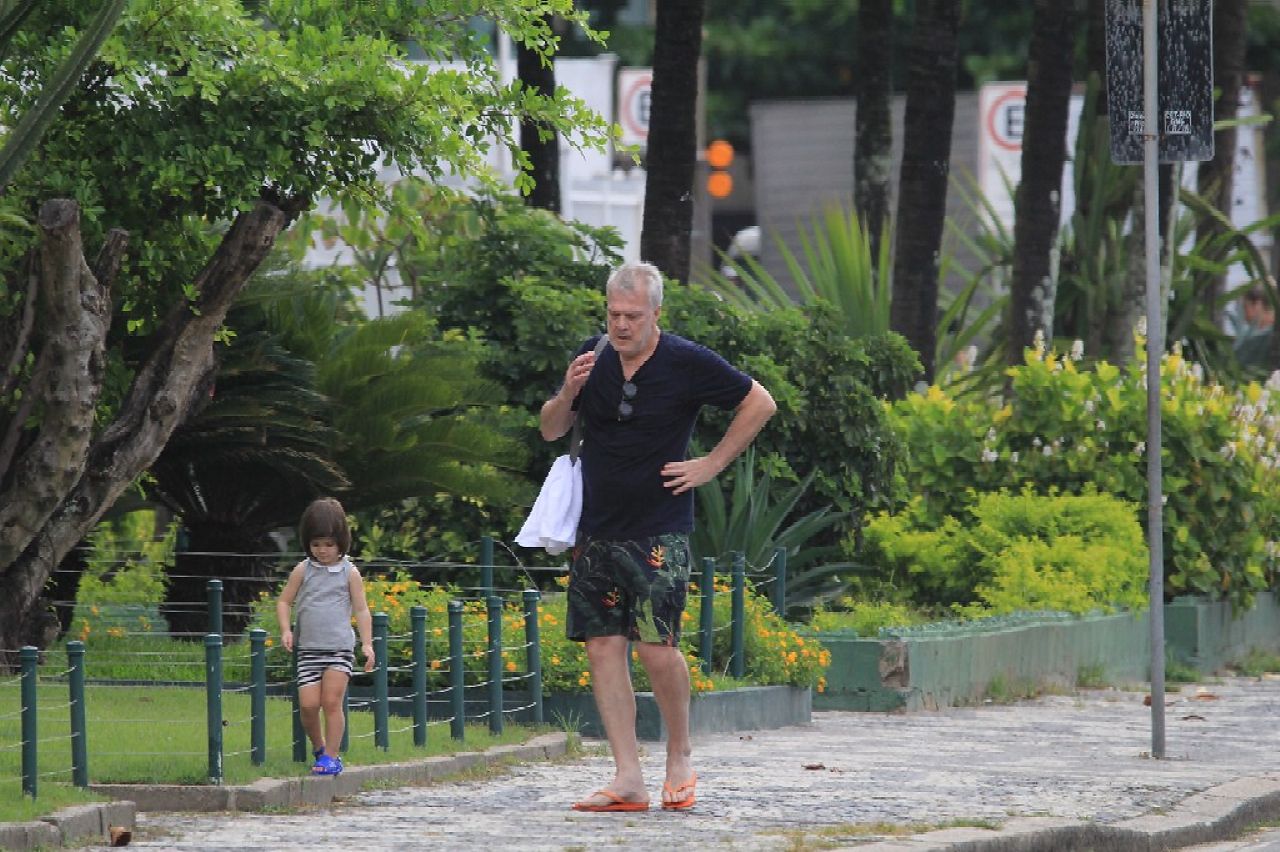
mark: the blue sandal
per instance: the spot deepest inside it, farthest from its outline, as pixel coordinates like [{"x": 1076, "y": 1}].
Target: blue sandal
[{"x": 326, "y": 765}]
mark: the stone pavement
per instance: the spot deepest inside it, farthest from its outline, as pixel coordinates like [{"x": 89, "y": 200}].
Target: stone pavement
[{"x": 1058, "y": 773}]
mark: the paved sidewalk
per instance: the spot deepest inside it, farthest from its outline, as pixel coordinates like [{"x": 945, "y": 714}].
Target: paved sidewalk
[{"x": 1057, "y": 773}]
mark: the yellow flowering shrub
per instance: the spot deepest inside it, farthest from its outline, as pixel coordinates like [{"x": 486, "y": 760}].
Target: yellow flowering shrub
[{"x": 775, "y": 654}]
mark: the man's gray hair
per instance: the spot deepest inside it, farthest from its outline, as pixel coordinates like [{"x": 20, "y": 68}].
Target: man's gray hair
[{"x": 628, "y": 278}]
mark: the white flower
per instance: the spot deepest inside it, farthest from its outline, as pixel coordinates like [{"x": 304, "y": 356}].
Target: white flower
[
  {"x": 1077, "y": 350},
  {"x": 989, "y": 455},
  {"x": 1048, "y": 451},
  {"x": 1089, "y": 406},
  {"x": 1141, "y": 447},
  {"x": 991, "y": 434},
  {"x": 1035, "y": 442},
  {"x": 1013, "y": 456},
  {"x": 1101, "y": 424}
]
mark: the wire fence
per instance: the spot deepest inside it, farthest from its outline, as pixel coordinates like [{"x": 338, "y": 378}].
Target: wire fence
[{"x": 120, "y": 653}]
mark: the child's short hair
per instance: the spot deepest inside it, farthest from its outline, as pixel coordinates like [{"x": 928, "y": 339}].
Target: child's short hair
[{"x": 324, "y": 518}]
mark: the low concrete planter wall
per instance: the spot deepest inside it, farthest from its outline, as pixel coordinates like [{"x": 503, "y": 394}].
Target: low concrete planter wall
[
  {"x": 744, "y": 709},
  {"x": 749, "y": 708},
  {"x": 945, "y": 665},
  {"x": 1210, "y": 636}
]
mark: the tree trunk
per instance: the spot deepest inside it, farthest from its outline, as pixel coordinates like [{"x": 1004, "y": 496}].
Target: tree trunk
[
  {"x": 673, "y": 137},
  {"x": 922, "y": 185},
  {"x": 1214, "y": 177},
  {"x": 1035, "y": 229},
  {"x": 79, "y": 480},
  {"x": 873, "y": 135},
  {"x": 540, "y": 143}
]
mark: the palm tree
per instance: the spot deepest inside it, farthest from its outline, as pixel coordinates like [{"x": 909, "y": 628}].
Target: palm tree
[
  {"x": 673, "y": 137},
  {"x": 873, "y": 134},
  {"x": 309, "y": 404},
  {"x": 1034, "y": 285},
  {"x": 249, "y": 462},
  {"x": 922, "y": 184}
]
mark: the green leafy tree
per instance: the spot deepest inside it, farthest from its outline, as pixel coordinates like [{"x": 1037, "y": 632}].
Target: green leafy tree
[{"x": 202, "y": 130}]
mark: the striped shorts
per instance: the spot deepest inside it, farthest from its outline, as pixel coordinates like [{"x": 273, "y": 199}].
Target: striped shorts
[{"x": 313, "y": 664}]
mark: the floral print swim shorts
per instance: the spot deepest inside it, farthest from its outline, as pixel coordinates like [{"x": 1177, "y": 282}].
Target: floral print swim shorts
[{"x": 633, "y": 588}]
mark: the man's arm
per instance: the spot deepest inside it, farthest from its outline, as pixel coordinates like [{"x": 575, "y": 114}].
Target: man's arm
[
  {"x": 556, "y": 417},
  {"x": 748, "y": 419}
]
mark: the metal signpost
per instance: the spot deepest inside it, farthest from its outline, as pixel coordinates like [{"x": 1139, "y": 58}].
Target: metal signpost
[{"x": 1176, "y": 99}]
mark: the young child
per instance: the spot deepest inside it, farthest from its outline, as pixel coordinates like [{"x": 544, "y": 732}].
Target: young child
[{"x": 326, "y": 590}]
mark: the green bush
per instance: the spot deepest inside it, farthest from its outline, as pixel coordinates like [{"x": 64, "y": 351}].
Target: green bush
[
  {"x": 1065, "y": 428},
  {"x": 863, "y": 618},
  {"x": 1023, "y": 552}
]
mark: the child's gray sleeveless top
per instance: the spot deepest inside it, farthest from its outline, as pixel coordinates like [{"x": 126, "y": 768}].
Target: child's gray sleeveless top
[{"x": 323, "y": 607}]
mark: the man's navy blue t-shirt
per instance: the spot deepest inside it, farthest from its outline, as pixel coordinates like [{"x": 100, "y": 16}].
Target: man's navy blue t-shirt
[{"x": 623, "y": 491}]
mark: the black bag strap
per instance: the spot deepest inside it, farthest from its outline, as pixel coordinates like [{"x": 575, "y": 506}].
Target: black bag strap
[{"x": 575, "y": 437}]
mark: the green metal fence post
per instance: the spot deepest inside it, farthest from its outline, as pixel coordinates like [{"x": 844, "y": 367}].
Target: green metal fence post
[
  {"x": 486, "y": 565},
  {"x": 213, "y": 695},
  {"x": 738, "y": 663},
  {"x": 299, "y": 732},
  {"x": 707, "y": 614},
  {"x": 214, "y": 588},
  {"x": 345, "y": 745},
  {"x": 79, "y": 730},
  {"x": 494, "y": 605},
  {"x": 28, "y": 656},
  {"x": 257, "y": 696},
  {"x": 457, "y": 674},
  {"x": 418, "y": 618},
  {"x": 381, "y": 735},
  {"x": 780, "y": 581},
  {"x": 533, "y": 651}
]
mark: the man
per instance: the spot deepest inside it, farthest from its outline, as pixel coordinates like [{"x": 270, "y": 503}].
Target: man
[
  {"x": 1253, "y": 343},
  {"x": 630, "y": 571}
]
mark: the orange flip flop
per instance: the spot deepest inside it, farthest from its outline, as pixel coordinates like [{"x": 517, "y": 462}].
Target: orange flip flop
[
  {"x": 683, "y": 804},
  {"x": 615, "y": 803}
]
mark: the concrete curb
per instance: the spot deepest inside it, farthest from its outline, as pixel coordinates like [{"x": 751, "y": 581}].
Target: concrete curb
[
  {"x": 1217, "y": 814},
  {"x": 75, "y": 825},
  {"x": 93, "y": 822},
  {"x": 275, "y": 793}
]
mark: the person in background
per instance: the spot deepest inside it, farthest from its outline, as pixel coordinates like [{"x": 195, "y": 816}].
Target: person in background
[
  {"x": 630, "y": 572},
  {"x": 1253, "y": 342},
  {"x": 323, "y": 592}
]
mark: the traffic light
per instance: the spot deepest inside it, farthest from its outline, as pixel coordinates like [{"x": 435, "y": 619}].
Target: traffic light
[{"x": 719, "y": 156}]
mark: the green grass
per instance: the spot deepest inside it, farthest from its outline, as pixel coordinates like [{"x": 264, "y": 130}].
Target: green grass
[
  {"x": 140, "y": 734},
  {"x": 1257, "y": 663}
]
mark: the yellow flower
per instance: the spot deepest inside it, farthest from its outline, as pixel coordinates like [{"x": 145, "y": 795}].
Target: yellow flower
[
  {"x": 511, "y": 666},
  {"x": 270, "y": 643},
  {"x": 94, "y": 609},
  {"x": 435, "y": 664},
  {"x": 555, "y": 661}
]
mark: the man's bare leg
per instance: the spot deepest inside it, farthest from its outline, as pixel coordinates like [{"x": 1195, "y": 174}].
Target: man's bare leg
[
  {"x": 669, "y": 674},
  {"x": 616, "y": 704}
]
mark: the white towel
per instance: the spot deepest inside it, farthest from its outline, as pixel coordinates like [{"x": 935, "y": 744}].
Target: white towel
[{"x": 553, "y": 520}]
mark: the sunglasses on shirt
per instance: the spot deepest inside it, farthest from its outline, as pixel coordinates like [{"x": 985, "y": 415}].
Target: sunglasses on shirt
[{"x": 625, "y": 408}]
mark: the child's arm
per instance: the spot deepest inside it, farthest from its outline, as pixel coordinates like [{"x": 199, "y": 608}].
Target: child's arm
[
  {"x": 284, "y": 605},
  {"x": 364, "y": 621}
]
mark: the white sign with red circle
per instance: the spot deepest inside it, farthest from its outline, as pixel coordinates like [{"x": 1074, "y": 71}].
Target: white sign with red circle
[
  {"x": 634, "y": 88},
  {"x": 1002, "y": 118}
]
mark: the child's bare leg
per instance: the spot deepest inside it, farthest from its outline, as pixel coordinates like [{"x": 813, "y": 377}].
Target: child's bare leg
[
  {"x": 333, "y": 687},
  {"x": 309, "y": 711}
]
